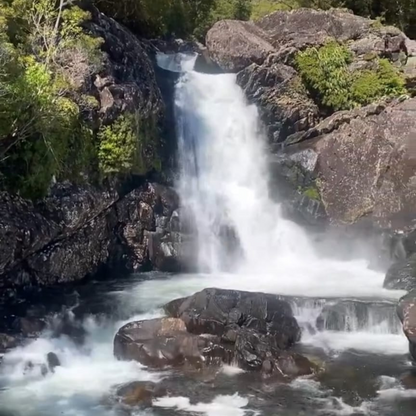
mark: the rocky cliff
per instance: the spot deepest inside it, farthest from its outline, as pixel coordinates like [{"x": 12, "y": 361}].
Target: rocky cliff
[
  {"x": 123, "y": 223},
  {"x": 337, "y": 168}
]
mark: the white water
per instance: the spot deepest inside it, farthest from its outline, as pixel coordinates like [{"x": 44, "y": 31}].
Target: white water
[{"x": 224, "y": 181}]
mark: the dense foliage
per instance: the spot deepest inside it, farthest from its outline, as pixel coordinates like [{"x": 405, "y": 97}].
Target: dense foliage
[
  {"x": 325, "y": 72},
  {"x": 194, "y": 17},
  {"x": 41, "y": 133},
  {"x": 174, "y": 17}
]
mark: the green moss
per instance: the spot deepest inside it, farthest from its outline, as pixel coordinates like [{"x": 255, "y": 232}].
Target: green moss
[
  {"x": 334, "y": 87},
  {"x": 128, "y": 146},
  {"x": 369, "y": 86},
  {"x": 311, "y": 193},
  {"x": 370, "y": 56}
]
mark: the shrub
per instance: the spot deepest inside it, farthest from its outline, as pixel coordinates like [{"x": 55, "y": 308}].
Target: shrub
[
  {"x": 128, "y": 146},
  {"x": 42, "y": 135},
  {"x": 326, "y": 75},
  {"x": 262, "y": 8}
]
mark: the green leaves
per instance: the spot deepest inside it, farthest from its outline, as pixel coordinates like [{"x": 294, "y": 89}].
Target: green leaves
[{"x": 326, "y": 74}]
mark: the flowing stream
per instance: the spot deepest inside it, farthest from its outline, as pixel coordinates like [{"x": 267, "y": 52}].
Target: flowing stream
[{"x": 244, "y": 242}]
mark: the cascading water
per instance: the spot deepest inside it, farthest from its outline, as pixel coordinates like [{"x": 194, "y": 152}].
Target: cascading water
[{"x": 243, "y": 243}]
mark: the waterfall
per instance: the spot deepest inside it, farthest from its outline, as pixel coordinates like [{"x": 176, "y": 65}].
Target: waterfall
[{"x": 224, "y": 179}]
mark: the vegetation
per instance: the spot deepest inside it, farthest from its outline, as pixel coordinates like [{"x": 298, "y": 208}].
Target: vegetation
[
  {"x": 40, "y": 125},
  {"x": 129, "y": 145},
  {"x": 44, "y": 136},
  {"x": 326, "y": 74}
]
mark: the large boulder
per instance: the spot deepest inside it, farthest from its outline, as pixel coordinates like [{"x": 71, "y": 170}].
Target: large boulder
[
  {"x": 362, "y": 164},
  {"x": 235, "y": 45},
  {"x": 215, "y": 326}
]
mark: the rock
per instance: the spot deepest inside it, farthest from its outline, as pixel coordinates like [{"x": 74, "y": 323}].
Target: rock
[
  {"x": 53, "y": 361},
  {"x": 140, "y": 393},
  {"x": 234, "y": 45},
  {"x": 165, "y": 342},
  {"x": 68, "y": 326},
  {"x": 7, "y": 342},
  {"x": 216, "y": 311},
  {"x": 29, "y": 327},
  {"x": 214, "y": 327},
  {"x": 284, "y": 106},
  {"x": 23, "y": 231},
  {"x": 407, "y": 314},
  {"x": 380, "y": 191},
  {"x": 125, "y": 81},
  {"x": 402, "y": 275}
]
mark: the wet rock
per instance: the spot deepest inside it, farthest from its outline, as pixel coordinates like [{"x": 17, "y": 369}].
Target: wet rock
[
  {"x": 407, "y": 314},
  {"x": 53, "y": 361},
  {"x": 140, "y": 393},
  {"x": 216, "y": 311},
  {"x": 29, "y": 327},
  {"x": 165, "y": 342},
  {"x": 402, "y": 275},
  {"x": 7, "y": 342},
  {"x": 214, "y": 327},
  {"x": 68, "y": 326}
]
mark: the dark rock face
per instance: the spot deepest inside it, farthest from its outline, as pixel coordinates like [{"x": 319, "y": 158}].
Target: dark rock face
[
  {"x": 284, "y": 105},
  {"x": 7, "y": 342},
  {"x": 126, "y": 81},
  {"x": 220, "y": 312},
  {"x": 253, "y": 330},
  {"x": 402, "y": 275},
  {"x": 407, "y": 314},
  {"x": 83, "y": 232}
]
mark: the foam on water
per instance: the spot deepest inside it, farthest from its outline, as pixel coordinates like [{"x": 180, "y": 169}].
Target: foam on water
[{"x": 221, "y": 405}]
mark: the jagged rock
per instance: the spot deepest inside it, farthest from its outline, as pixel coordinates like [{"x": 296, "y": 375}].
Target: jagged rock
[
  {"x": 216, "y": 311},
  {"x": 407, "y": 314},
  {"x": 402, "y": 275},
  {"x": 363, "y": 164},
  {"x": 284, "y": 106},
  {"x": 125, "y": 80},
  {"x": 23, "y": 231},
  {"x": 218, "y": 326},
  {"x": 235, "y": 45}
]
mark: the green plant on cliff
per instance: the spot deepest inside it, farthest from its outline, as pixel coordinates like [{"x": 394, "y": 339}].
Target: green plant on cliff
[
  {"x": 326, "y": 74},
  {"x": 128, "y": 146},
  {"x": 40, "y": 125}
]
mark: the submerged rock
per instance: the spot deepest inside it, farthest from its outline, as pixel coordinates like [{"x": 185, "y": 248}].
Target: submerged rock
[
  {"x": 214, "y": 327},
  {"x": 140, "y": 393}
]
